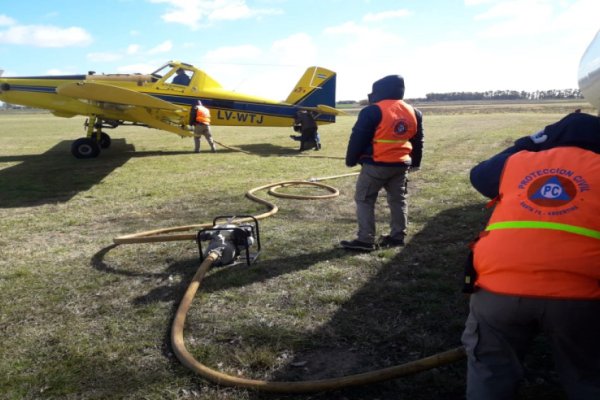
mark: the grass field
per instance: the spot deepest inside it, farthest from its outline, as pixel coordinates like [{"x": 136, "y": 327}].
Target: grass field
[{"x": 82, "y": 318}]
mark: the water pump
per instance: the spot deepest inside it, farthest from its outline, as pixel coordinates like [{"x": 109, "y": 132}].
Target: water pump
[{"x": 230, "y": 239}]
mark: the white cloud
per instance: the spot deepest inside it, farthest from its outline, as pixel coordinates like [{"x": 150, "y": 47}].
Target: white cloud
[
  {"x": 103, "y": 57},
  {"x": 268, "y": 72},
  {"x": 6, "y": 20},
  {"x": 45, "y": 36},
  {"x": 195, "y": 13},
  {"x": 237, "y": 9},
  {"x": 133, "y": 48},
  {"x": 361, "y": 54},
  {"x": 349, "y": 27},
  {"x": 392, "y": 14},
  {"x": 57, "y": 71},
  {"x": 295, "y": 49},
  {"x": 477, "y": 2},
  {"x": 164, "y": 47},
  {"x": 517, "y": 18}
]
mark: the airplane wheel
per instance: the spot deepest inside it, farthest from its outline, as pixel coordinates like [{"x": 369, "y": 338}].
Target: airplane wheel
[
  {"x": 104, "y": 141},
  {"x": 85, "y": 148}
]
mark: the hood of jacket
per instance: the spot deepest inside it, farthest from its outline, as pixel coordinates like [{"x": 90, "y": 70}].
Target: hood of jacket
[
  {"x": 390, "y": 87},
  {"x": 576, "y": 129}
]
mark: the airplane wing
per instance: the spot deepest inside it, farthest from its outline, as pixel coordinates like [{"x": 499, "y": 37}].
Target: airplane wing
[
  {"x": 141, "y": 107},
  {"x": 112, "y": 94}
]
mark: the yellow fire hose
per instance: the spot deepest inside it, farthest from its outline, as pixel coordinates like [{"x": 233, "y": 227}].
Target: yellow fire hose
[
  {"x": 220, "y": 378},
  {"x": 188, "y": 360},
  {"x": 170, "y": 234}
]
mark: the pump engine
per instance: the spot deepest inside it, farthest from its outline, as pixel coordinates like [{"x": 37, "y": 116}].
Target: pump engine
[{"x": 230, "y": 239}]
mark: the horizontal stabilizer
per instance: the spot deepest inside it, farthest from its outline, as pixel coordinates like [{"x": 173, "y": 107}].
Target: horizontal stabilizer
[
  {"x": 112, "y": 94},
  {"x": 323, "y": 109}
]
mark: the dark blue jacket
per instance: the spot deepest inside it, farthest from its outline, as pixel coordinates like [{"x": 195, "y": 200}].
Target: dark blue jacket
[
  {"x": 576, "y": 129},
  {"x": 360, "y": 146}
]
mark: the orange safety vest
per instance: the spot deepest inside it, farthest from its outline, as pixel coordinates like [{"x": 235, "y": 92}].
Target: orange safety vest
[
  {"x": 398, "y": 125},
  {"x": 202, "y": 115},
  {"x": 543, "y": 238}
]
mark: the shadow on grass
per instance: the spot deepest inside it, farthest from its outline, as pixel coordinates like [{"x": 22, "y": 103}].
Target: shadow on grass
[
  {"x": 271, "y": 150},
  {"x": 56, "y": 176},
  {"x": 412, "y": 308},
  {"x": 220, "y": 278}
]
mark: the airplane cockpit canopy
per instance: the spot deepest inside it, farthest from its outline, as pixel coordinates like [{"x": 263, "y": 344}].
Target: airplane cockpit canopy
[{"x": 170, "y": 71}]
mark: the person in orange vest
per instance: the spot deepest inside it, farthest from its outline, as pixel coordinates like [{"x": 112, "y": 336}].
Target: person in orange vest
[
  {"x": 536, "y": 266},
  {"x": 387, "y": 140},
  {"x": 202, "y": 128}
]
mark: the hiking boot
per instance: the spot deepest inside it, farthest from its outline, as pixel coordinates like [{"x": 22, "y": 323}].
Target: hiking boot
[
  {"x": 357, "y": 245},
  {"x": 385, "y": 242}
]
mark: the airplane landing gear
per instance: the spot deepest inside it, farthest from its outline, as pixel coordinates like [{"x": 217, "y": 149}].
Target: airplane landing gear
[
  {"x": 104, "y": 141},
  {"x": 90, "y": 146},
  {"x": 85, "y": 148}
]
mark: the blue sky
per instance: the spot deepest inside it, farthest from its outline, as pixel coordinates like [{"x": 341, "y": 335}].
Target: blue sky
[{"x": 261, "y": 47}]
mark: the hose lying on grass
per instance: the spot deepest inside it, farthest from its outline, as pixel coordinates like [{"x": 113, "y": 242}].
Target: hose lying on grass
[
  {"x": 187, "y": 359},
  {"x": 220, "y": 378},
  {"x": 175, "y": 233}
]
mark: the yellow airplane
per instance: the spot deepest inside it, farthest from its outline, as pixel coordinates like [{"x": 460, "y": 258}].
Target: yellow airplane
[{"x": 164, "y": 100}]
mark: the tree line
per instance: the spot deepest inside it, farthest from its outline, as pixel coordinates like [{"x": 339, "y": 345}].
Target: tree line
[{"x": 552, "y": 94}]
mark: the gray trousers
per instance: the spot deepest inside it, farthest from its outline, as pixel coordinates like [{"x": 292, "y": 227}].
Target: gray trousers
[
  {"x": 370, "y": 181},
  {"x": 500, "y": 329},
  {"x": 203, "y": 130}
]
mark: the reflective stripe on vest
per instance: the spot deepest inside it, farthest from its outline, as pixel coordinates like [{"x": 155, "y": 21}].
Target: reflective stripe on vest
[
  {"x": 397, "y": 126},
  {"x": 389, "y": 141},
  {"x": 544, "y": 225}
]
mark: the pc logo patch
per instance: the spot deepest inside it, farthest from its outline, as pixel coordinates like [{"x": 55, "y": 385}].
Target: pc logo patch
[
  {"x": 401, "y": 127},
  {"x": 551, "y": 191}
]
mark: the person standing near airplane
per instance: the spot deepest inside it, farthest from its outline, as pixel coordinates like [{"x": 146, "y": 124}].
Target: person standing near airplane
[
  {"x": 387, "y": 140},
  {"x": 202, "y": 128},
  {"x": 536, "y": 268}
]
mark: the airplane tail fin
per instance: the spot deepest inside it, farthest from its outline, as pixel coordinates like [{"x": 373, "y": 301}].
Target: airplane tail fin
[
  {"x": 1, "y": 72},
  {"x": 316, "y": 87}
]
